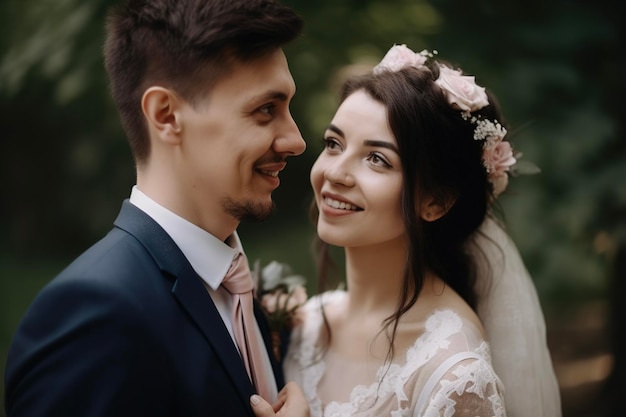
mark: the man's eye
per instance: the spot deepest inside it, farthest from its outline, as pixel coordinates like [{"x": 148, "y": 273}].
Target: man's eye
[{"x": 268, "y": 109}]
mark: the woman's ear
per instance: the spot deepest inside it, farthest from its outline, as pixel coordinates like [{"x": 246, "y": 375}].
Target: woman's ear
[
  {"x": 432, "y": 209},
  {"x": 160, "y": 107}
]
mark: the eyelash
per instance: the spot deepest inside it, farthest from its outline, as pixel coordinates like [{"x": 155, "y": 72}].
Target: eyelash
[
  {"x": 327, "y": 142},
  {"x": 372, "y": 156},
  {"x": 267, "y": 110}
]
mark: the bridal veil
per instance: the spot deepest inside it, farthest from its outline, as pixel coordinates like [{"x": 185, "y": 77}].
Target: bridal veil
[{"x": 509, "y": 308}]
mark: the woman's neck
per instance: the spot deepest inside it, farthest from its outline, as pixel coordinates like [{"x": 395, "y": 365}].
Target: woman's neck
[{"x": 374, "y": 277}]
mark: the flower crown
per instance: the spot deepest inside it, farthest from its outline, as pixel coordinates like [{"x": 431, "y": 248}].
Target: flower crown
[{"x": 465, "y": 95}]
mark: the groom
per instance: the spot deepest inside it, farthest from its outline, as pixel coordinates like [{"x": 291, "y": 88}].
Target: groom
[{"x": 139, "y": 324}]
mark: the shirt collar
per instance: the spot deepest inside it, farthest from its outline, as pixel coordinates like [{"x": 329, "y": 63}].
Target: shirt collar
[{"x": 208, "y": 256}]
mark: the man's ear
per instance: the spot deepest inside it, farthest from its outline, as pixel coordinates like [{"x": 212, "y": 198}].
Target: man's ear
[
  {"x": 160, "y": 107},
  {"x": 432, "y": 209}
]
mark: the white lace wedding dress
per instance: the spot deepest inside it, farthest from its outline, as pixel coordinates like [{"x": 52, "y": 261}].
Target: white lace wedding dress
[{"x": 446, "y": 372}]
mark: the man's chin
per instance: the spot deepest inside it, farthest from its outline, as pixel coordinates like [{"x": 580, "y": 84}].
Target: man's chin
[{"x": 249, "y": 211}]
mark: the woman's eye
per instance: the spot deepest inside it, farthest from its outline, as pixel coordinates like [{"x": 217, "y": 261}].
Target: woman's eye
[
  {"x": 378, "y": 160},
  {"x": 331, "y": 144}
]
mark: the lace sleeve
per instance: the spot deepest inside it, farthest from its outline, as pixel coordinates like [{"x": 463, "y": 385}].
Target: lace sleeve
[{"x": 468, "y": 388}]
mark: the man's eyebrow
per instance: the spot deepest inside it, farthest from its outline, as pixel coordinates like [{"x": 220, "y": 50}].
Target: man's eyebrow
[{"x": 272, "y": 95}]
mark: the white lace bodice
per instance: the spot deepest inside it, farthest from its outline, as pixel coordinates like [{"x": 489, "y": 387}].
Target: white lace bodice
[{"x": 446, "y": 372}]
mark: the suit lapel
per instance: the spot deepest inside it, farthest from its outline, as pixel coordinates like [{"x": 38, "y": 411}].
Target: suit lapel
[
  {"x": 188, "y": 290},
  {"x": 194, "y": 298}
]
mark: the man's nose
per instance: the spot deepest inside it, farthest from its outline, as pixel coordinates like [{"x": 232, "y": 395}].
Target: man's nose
[{"x": 289, "y": 141}]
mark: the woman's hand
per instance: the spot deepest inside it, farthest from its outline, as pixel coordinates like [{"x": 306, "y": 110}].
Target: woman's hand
[{"x": 290, "y": 403}]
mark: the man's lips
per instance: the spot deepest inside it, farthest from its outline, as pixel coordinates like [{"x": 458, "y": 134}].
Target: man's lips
[
  {"x": 270, "y": 173},
  {"x": 271, "y": 170}
]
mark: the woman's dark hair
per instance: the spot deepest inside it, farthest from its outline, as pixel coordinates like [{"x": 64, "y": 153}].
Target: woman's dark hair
[
  {"x": 185, "y": 45},
  {"x": 440, "y": 160}
]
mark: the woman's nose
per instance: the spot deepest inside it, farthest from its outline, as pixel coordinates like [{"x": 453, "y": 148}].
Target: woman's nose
[{"x": 338, "y": 173}]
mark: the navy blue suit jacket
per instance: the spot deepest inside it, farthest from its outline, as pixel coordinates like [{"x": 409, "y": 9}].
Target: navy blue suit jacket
[{"x": 128, "y": 329}]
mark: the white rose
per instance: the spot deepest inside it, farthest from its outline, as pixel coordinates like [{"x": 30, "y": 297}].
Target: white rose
[
  {"x": 461, "y": 90},
  {"x": 399, "y": 57}
]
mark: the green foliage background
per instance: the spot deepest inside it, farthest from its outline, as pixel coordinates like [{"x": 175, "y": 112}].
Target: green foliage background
[{"x": 557, "y": 68}]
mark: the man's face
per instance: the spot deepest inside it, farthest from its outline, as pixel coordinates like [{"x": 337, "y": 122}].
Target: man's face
[{"x": 235, "y": 141}]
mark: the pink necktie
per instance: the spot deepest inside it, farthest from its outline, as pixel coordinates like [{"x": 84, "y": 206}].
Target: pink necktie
[{"x": 238, "y": 282}]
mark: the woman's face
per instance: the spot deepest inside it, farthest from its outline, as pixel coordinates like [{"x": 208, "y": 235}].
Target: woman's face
[{"x": 357, "y": 179}]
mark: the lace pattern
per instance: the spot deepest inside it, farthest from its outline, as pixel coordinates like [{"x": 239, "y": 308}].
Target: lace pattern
[{"x": 466, "y": 387}]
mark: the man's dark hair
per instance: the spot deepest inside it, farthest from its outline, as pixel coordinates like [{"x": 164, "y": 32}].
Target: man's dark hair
[{"x": 187, "y": 46}]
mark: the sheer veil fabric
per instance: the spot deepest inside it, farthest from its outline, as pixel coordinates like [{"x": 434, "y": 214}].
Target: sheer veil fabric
[{"x": 509, "y": 308}]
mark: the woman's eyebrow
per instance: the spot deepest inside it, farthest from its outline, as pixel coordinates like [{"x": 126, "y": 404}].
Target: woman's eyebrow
[
  {"x": 336, "y": 130},
  {"x": 370, "y": 142},
  {"x": 382, "y": 144}
]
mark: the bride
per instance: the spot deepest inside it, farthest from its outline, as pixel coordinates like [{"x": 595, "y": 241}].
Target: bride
[{"x": 440, "y": 317}]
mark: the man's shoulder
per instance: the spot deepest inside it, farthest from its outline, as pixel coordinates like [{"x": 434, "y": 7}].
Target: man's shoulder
[
  {"x": 116, "y": 250},
  {"x": 114, "y": 264}
]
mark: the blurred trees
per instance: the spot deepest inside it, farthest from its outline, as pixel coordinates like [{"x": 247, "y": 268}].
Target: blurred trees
[
  {"x": 64, "y": 161},
  {"x": 557, "y": 68}
]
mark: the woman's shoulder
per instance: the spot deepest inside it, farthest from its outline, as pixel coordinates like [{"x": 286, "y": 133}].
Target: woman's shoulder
[
  {"x": 327, "y": 300},
  {"x": 454, "y": 320},
  {"x": 304, "y": 337},
  {"x": 312, "y": 313},
  {"x": 451, "y": 356},
  {"x": 330, "y": 297},
  {"x": 445, "y": 336},
  {"x": 440, "y": 298},
  {"x": 453, "y": 331}
]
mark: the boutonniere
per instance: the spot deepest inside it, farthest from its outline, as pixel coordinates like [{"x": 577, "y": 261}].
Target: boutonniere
[{"x": 281, "y": 293}]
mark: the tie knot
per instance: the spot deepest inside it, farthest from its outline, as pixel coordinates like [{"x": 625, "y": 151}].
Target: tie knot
[{"x": 238, "y": 279}]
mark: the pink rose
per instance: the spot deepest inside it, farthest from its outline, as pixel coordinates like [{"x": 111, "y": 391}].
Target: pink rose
[
  {"x": 461, "y": 90},
  {"x": 498, "y": 156},
  {"x": 498, "y": 159},
  {"x": 399, "y": 57}
]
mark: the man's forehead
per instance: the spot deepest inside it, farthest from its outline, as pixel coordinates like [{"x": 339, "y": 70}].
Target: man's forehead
[{"x": 265, "y": 78}]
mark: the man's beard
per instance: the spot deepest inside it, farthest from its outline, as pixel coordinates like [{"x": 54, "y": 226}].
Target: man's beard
[{"x": 250, "y": 211}]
